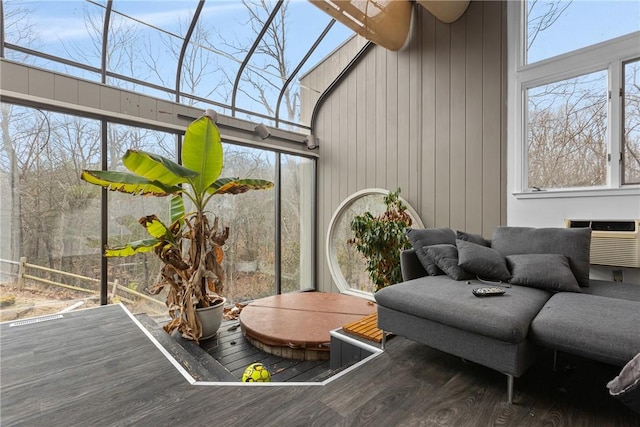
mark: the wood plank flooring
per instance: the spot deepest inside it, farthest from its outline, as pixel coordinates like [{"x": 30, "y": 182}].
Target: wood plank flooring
[{"x": 96, "y": 368}]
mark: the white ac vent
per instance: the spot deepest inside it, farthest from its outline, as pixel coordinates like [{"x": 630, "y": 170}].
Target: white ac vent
[{"x": 614, "y": 243}]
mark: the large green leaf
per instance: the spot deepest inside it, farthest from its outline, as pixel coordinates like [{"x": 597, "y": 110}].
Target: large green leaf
[
  {"x": 156, "y": 228},
  {"x": 131, "y": 248},
  {"x": 177, "y": 209},
  {"x": 202, "y": 152},
  {"x": 156, "y": 168},
  {"x": 126, "y": 182},
  {"x": 237, "y": 186}
]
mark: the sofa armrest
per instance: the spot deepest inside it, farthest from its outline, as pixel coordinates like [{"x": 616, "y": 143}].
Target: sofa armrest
[{"x": 410, "y": 265}]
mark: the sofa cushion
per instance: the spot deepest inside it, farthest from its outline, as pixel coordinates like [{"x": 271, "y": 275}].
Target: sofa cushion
[
  {"x": 546, "y": 271},
  {"x": 574, "y": 243},
  {"x": 421, "y": 237},
  {"x": 446, "y": 258},
  {"x": 600, "y": 328},
  {"x": 440, "y": 299},
  {"x": 473, "y": 238},
  {"x": 482, "y": 261}
]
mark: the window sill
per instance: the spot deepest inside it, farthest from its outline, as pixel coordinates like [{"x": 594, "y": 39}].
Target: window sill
[{"x": 573, "y": 192}]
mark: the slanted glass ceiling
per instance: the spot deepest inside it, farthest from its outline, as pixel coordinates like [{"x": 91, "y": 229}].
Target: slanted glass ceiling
[{"x": 205, "y": 53}]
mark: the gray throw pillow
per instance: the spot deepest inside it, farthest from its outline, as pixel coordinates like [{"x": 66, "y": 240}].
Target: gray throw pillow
[
  {"x": 574, "y": 243},
  {"x": 427, "y": 262},
  {"x": 545, "y": 271},
  {"x": 422, "y": 237},
  {"x": 481, "y": 261},
  {"x": 473, "y": 238},
  {"x": 446, "y": 258}
]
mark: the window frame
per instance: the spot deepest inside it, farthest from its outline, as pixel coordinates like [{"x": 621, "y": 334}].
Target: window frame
[{"x": 610, "y": 55}]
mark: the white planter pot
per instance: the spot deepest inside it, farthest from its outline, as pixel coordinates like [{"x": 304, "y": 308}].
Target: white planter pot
[{"x": 210, "y": 318}]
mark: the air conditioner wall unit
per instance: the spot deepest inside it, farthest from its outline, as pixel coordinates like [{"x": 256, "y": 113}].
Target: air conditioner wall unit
[{"x": 614, "y": 243}]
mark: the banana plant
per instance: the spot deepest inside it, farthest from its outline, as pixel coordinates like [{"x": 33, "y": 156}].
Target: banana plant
[{"x": 190, "y": 246}]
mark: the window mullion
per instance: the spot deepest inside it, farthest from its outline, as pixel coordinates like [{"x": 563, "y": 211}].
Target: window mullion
[{"x": 614, "y": 119}]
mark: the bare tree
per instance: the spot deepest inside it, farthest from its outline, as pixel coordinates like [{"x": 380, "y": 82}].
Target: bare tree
[
  {"x": 201, "y": 73},
  {"x": 566, "y": 133},
  {"x": 265, "y": 77},
  {"x": 19, "y": 29},
  {"x": 631, "y": 146},
  {"x": 542, "y": 14}
]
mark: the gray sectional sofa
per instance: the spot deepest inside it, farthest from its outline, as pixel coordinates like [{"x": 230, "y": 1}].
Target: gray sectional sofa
[{"x": 549, "y": 300}]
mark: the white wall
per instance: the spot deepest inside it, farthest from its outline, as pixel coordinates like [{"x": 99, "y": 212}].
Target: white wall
[{"x": 552, "y": 211}]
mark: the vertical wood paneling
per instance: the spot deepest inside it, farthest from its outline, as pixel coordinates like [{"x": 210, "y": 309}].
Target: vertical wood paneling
[
  {"x": 492, "y": 109},
  {"x": 352, "y": 128},
  {"x": 411, "y": 192},
  {"x": 474, "y": 108},
  {"x": 380, "y": 118},
  {"x": 458, "y": 118},
  {"x": 337, "y": 166},
  {"x": 361, "y": 129},
  {"x": 391, "y": 120},
  {"x": 428, "y": 172},
  {"x": 443, "y": 124},
  {"x": 370, "y": 108},
  {"x": 340, "y": 117},
  {"x": 429, "y": 119},
  {"x": 503, "y": 115},
  {"x": 403, "y": 143}
]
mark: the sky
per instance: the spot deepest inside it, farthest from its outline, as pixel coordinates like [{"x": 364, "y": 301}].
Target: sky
[
  {"x": 62, "y": 30},
  {"x": 586, "y": 22}
]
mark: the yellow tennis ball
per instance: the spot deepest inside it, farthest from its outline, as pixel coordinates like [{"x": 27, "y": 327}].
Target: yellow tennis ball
[{"x": 256, "y": 373}]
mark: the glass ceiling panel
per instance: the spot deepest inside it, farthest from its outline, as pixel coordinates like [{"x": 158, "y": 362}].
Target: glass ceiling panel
[
  {"x": 291, "y": 34},
  {"x": 210, "y": 63},
  {"x": 70, "y": 30},
  {"x": 146, "y": 37},
  {"x": 232, "y": 28},
  {"x": 310, "y": 25}
]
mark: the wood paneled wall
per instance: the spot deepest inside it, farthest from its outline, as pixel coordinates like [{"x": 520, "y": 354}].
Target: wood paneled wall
[{"x": 430, "y": 119}]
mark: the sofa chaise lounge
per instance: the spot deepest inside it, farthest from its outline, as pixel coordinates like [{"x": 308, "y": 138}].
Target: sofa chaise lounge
[{"x": 549, "y": 300}]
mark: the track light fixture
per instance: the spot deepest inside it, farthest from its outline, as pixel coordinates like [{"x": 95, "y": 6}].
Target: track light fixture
[
  {"x": 212, "y": 114},
  {"x": 262, "y": 131},
  {"x": 312, "y": 142}
]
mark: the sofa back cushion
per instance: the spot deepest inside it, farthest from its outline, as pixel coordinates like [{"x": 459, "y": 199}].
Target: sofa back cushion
[{"x": 573, "y": 243}]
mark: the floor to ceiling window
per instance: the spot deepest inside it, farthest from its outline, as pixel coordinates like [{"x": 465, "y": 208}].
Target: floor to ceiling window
[
  {"x": 48, "y": 215},
  {"x": 577, "y": 78},
  {"x": 52, "y": 219},
  {"x": 242, "y": 59}
]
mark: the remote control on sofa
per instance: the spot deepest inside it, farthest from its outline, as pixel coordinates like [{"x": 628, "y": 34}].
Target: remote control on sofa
[{"x": 487, "y": 292}]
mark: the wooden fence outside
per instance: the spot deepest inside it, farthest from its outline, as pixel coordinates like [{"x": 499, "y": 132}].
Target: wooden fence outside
[{"x": 27, "y": 271}]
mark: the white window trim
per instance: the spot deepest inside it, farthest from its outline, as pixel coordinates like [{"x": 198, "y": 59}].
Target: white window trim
[{"x": 607, "y": 55}]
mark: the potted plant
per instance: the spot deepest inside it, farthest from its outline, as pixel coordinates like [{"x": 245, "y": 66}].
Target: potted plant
[
  {"x": 190, "y": 246},
  {"x": 380, "y": 240}
]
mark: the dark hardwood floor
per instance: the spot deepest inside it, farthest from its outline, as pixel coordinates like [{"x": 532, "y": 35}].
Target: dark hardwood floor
[{"x": 97, "y": 368}]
